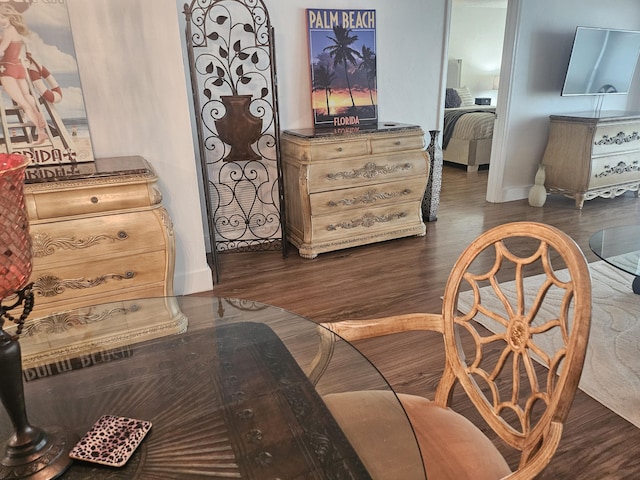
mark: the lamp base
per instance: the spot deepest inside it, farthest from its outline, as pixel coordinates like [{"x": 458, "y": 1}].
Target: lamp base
[{"x": 45, "y": 456}]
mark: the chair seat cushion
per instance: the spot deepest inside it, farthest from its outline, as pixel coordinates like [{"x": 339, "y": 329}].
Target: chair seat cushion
[
  {"x": 379, "y": 431},
  {"x": 452, "y": 447}
]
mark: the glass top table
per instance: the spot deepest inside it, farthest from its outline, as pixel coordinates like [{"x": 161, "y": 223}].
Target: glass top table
[
  {"x": 620, "y": 247},
  {"x": 232, "y": 395}
]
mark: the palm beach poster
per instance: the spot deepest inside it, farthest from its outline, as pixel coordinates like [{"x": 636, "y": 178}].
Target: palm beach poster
[
  {"x": 43, "y": 113},
  {"x": 342, "y": 48}
]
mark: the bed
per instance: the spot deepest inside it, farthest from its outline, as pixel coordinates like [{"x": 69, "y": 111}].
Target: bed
[{"x": 468, "y": 130}]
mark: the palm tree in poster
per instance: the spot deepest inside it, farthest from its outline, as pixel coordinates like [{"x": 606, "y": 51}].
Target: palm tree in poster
[
  {"x": 342, "y": 52},
  {"x": 322, "y": 79},
  {"x": 368, "y": 64}
]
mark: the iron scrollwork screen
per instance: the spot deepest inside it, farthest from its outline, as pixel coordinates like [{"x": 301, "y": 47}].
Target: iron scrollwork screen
[{"x": 232, "y": 67}]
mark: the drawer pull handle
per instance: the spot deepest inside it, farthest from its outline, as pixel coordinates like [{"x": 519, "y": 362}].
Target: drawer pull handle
[
  {"x": 94, "y": 200},
  {"x": 50, "y": 285},
  {"x": 366, "y": 221},
  {"x": 122, "y": 235},
  {"x": 339, "y": 149},
  {"x": 398, "y": 142},
  {"x": 370, "y": 170}
]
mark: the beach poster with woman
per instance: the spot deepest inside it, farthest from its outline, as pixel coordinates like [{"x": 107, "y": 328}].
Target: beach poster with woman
[{"x": 42, "y": 110}]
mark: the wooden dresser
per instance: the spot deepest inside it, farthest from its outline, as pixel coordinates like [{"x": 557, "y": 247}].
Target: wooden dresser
[
  {"x": 589, "y": 156},
  {"x": 100, "y": 234},
  {"x": 353, "y": 187}
]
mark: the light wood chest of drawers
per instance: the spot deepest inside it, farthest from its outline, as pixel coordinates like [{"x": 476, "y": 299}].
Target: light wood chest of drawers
[
  {"x": 344, "y": 190},
  {"x": 589, "y": 156},
  {"x": 98, "y": 237}
]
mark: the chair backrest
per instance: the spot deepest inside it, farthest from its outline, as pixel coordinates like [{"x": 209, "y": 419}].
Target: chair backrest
[{"x": 530, "y": 289}]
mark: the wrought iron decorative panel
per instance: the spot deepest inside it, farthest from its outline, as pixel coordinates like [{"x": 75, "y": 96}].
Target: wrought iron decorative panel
[{"x": 232, "y": 66}]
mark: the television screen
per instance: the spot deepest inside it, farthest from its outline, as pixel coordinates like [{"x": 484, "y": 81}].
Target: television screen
[{"x": 602, "y": 61}]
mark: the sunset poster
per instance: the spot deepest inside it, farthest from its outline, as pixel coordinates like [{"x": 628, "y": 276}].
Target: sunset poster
[{"x": 342, "y": 47}]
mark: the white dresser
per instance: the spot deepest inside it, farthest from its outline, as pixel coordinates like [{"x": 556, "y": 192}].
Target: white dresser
[
  {"x": 353, "y": 187},
  {"x": 589, "y": 156}
]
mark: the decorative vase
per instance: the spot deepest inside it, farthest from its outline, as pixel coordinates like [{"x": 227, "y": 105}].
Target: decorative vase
[
  {"x": 538, "y": 194},
  {"x": 239, "y": 128},
  {"x": 431, "y": 199},
  {"x": 30, "y": 452},
  {"x": 15, "y": 241}
]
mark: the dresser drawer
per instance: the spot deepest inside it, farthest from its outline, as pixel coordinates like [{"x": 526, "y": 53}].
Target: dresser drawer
[
  {"x": 362, "y": 222},
  {"x": 64, "y": 283},
  {"x": 366, "y": 170},
  {"x": 57, "y": 203},
  {"x": 616, "y": 138},
  {"x": 318, "y": 150},
  {"x": 397, "y": 143},
  {"x": 614, "y": 170},
  {"x": 74, "y": 241},
  {"x": 335, "y": 201}
]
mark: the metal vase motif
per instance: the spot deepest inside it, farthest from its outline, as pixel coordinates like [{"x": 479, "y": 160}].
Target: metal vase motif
[
  {"x": 239, "y": 128},
  {"x": 15, "y": 241}
]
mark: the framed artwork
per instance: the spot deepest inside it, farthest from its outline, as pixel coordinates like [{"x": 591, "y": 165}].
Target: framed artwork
[
  {"x": 42, "y": 110},
  {"x": 342, "y": 50}
]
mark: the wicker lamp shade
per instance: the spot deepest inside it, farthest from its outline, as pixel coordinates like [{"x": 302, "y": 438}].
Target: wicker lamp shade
[{"x": 15, "y": 241}]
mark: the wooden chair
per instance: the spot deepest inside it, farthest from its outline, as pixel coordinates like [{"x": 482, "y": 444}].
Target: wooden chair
[{"x": 499, "y": 370}]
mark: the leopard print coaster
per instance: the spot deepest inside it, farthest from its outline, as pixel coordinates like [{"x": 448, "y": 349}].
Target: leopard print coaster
[{"x": 111, "y": 440}]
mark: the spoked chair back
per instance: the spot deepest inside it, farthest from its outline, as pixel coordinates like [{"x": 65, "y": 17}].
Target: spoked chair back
[
  {"x": 515, "y": 321},
  {"x": 527, "y": 322}
]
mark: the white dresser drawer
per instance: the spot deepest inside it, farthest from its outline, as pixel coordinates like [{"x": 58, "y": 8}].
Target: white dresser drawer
[
  {"x": 614, "y": 170},
  {"x": 616, "y": 138}
]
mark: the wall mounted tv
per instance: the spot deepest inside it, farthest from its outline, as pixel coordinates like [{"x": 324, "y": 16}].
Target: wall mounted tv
[{"x": 602, "y": 61}]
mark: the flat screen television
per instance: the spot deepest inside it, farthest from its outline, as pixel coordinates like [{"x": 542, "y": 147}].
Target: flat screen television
[{"x": 602, "y": 61}]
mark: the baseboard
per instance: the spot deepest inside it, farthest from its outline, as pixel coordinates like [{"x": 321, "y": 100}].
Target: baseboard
[{"x": 194, "y": 281}]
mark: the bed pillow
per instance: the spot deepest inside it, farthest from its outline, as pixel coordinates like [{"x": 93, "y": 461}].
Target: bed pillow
[
  {"x": 452, "y": 99},
  {"x": 465, "y": 97}
]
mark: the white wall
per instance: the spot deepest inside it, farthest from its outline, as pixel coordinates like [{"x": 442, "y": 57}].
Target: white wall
[
  {"x": 476, "y": 36},
  {"x": 133, "y": 80},
  {"x": 538, "y": 43},
  {"x": 138, "y": 102},
  {"x": 409, "y": 39}
]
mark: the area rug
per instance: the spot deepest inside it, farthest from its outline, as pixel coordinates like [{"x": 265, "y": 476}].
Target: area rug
[{"x": 611, "y": 373}]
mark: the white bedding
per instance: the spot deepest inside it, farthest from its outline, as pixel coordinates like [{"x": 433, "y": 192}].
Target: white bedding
[{"x": 474, "y": 126}]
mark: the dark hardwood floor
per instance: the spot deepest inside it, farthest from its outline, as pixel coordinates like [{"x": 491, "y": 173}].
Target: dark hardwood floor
[{"x": 409, "y": 275}]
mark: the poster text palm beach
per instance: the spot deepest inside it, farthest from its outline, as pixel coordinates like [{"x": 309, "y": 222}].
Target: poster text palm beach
[{"x": 342, "y": 46}]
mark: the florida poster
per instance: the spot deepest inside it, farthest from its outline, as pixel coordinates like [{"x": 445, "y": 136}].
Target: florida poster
[
  {"x": 342, "y": 46},
  {"x": 43, "y": 113}
]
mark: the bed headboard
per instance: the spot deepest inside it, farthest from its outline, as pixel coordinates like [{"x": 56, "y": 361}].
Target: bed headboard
[{"x": 454, "y": 71}]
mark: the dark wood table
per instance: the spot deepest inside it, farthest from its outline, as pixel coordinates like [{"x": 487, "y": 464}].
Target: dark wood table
[{"x": 228, "y": 398}]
